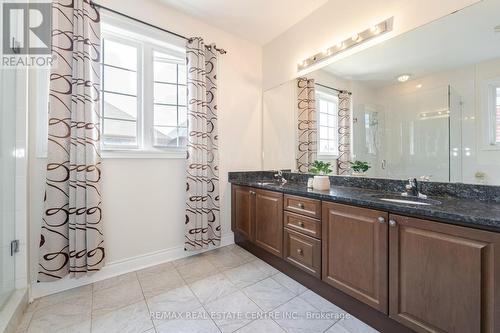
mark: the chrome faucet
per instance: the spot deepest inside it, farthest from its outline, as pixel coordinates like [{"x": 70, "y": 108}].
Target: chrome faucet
[
  {"x": 412, "y": 189},
  {"x": 280, "y": 178}
]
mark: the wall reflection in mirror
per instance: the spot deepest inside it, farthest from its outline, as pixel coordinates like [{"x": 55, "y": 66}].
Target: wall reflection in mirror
[{"x": 424, "y": 104}]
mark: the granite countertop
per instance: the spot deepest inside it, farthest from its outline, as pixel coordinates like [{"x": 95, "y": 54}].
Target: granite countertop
[{"x": 458, "y": 211}]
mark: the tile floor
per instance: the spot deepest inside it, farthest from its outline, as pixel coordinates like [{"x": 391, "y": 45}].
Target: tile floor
[{"x": 225, "y": 290}]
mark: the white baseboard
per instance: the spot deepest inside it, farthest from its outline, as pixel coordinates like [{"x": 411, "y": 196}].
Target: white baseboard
[{"x": 120, "y": 267}]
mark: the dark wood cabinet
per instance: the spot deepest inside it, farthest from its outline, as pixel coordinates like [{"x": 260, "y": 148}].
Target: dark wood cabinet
[
  {"x": 303, "y": 224},
  {"x": 303, "y": 251},
  {"x": 243, "y": 210},
  {"x": 419, "y": 275},
  {"x": 258, "y": 216},
  {"x": 444, "y": 278},
  {"x": 355, "y": 249},
  {"x": 268, "y": 232},
  {"x": 303, "y": 206}
]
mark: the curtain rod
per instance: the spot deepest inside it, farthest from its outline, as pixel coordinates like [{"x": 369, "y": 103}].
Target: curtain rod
[
  {"x": 222, "y": 51},
  {"x": 335, "y": 89}
]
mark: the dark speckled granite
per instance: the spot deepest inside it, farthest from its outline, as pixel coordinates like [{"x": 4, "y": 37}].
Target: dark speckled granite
[{"x": 461, "y": 204}]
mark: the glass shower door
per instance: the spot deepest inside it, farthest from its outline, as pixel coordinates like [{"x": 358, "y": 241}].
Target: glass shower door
[{"x": 7, "y": 181}]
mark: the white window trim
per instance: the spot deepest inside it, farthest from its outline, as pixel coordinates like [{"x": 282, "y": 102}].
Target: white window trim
[
  {"x": 140, "y": 94},
  {"x": 323, "y": 156},
  {"x": 116, "y": 27},
  {"x": 488, "y": 114}
]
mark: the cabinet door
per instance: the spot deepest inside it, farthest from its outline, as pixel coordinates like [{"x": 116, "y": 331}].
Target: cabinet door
[
  {"x": 443, "y": 278},
  {"x": 355, "y": 258},
  {"x": 242, "y": 210},
  {"x": 269, "y": 221},
  {"x": 303, "y": 251}
]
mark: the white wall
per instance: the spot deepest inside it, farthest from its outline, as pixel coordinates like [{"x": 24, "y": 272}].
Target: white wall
[
  {"x": 279, "y": 123},
  {"x": 143, "y": 199},
  {"x": 336, "y": 21}
]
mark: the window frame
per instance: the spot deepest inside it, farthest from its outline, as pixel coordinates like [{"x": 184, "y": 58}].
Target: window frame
[
  {"x": 489, "y": 114},
  {"x": 140, "y": 92},
  {"x": 152, "y": 81},
  {"x": 334, "y": 98},
  {"x": 148, "y": 41}
]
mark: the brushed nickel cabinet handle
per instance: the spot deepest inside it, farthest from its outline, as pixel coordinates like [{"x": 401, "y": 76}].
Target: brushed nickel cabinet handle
[
  {"x": 381, "y": 220},
  {"x": 301, "y": 224},
  {"x": 300, "y": 205},
  {"x": 252, "y": 193},
  {"x": 300, "y": 251},
  {"x": 393, "y": 223}
]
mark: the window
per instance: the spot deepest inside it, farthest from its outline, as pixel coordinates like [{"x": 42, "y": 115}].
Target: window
[
  {"x": 144, "y": 89},
  {"x": 497, "y": 115},
  {"x": 327, "y": 110},
  {"x": 170, "y": 100}
]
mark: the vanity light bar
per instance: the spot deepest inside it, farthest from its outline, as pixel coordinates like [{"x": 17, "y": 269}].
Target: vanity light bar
[
  {"x": 356, "y": 39},
  {"x": 435, "y": 114}
]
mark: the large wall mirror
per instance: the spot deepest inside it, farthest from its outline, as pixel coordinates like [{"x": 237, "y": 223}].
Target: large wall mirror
[{"x": 424, "y": 104}]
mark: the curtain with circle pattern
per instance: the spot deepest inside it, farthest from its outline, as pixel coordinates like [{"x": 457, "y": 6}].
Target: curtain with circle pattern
[
  {"x": 72, "y": 241},
  {"x": 306, "y": 152},
  {"x": 202, "y": 224}
]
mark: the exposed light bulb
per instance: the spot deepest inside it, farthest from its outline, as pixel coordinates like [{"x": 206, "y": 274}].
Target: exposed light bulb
[
  {"x": 403, "y": 77},
  {"x": 355, "y": 37},
  {"x": 375, "y": 30}
]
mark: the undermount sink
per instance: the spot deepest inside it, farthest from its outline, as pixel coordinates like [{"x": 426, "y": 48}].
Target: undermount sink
[{"x": 407, "y": 200}]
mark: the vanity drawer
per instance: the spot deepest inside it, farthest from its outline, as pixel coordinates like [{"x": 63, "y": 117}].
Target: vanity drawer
[
  {"x": 301, "y": 205},
  {"x": 305, "y": 225},
  {"x": 303, "y": 252}
]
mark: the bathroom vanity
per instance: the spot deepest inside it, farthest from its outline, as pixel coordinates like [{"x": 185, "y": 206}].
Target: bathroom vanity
[{"x": 399, "y": 267}]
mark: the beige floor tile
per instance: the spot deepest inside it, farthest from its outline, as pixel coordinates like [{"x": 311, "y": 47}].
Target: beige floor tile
[
  {"x": 25, "y": 321},
  {"x": 197, "y": 270},
  {"x": 225, "y": 260},
  {"x": 322, "y": 304},
  {"x": 351, "y": 325},
  {"x": 73, "y": 312},
  {"x": 289, "y": 283},
  {"x": 124, "y": 278},
  {"x": 180, "y": 300},
  {"x": 233, "y": 311},
  {"x": 212, "y": 288},
  {"x": 156, "y": 283},
  {"x": 268, "y": 294},
  {"x": 80, "y": 292},
  {"x": 304, "y": 319},
  {"x": 198, "y": 322},
  {"x": 265, "y": 267},
  {"x": 242, "y": 253},
  {"x": 263, "y": 325},
  {"x": 190, "y": 260},
  {"x": 114, "y": 298},
  {"x": 245, "y": 275},
  {"x": 130, "y": 319}
]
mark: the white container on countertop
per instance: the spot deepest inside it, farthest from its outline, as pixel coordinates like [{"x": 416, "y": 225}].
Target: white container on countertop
[{"x": 321, "y": 183}]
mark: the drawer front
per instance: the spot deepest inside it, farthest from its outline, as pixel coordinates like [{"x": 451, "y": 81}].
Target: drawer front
[
  {"x": 305, "y": 225},
  {"x": 304, "y": 206},
  {"x": 303, "y": 252}
]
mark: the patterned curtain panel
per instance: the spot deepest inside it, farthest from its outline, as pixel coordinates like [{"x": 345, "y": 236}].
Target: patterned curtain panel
[
  {"x": 306, "y": 125},
  {"x": 71, "y": 237},
  {"x": 202, "y": 204},
  {"x": 344, "y": 121}
]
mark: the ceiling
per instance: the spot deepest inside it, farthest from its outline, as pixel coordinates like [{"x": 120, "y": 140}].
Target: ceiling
[
  {"x": 259, "y": 21},
  {"x": 464, "y": 38}
]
